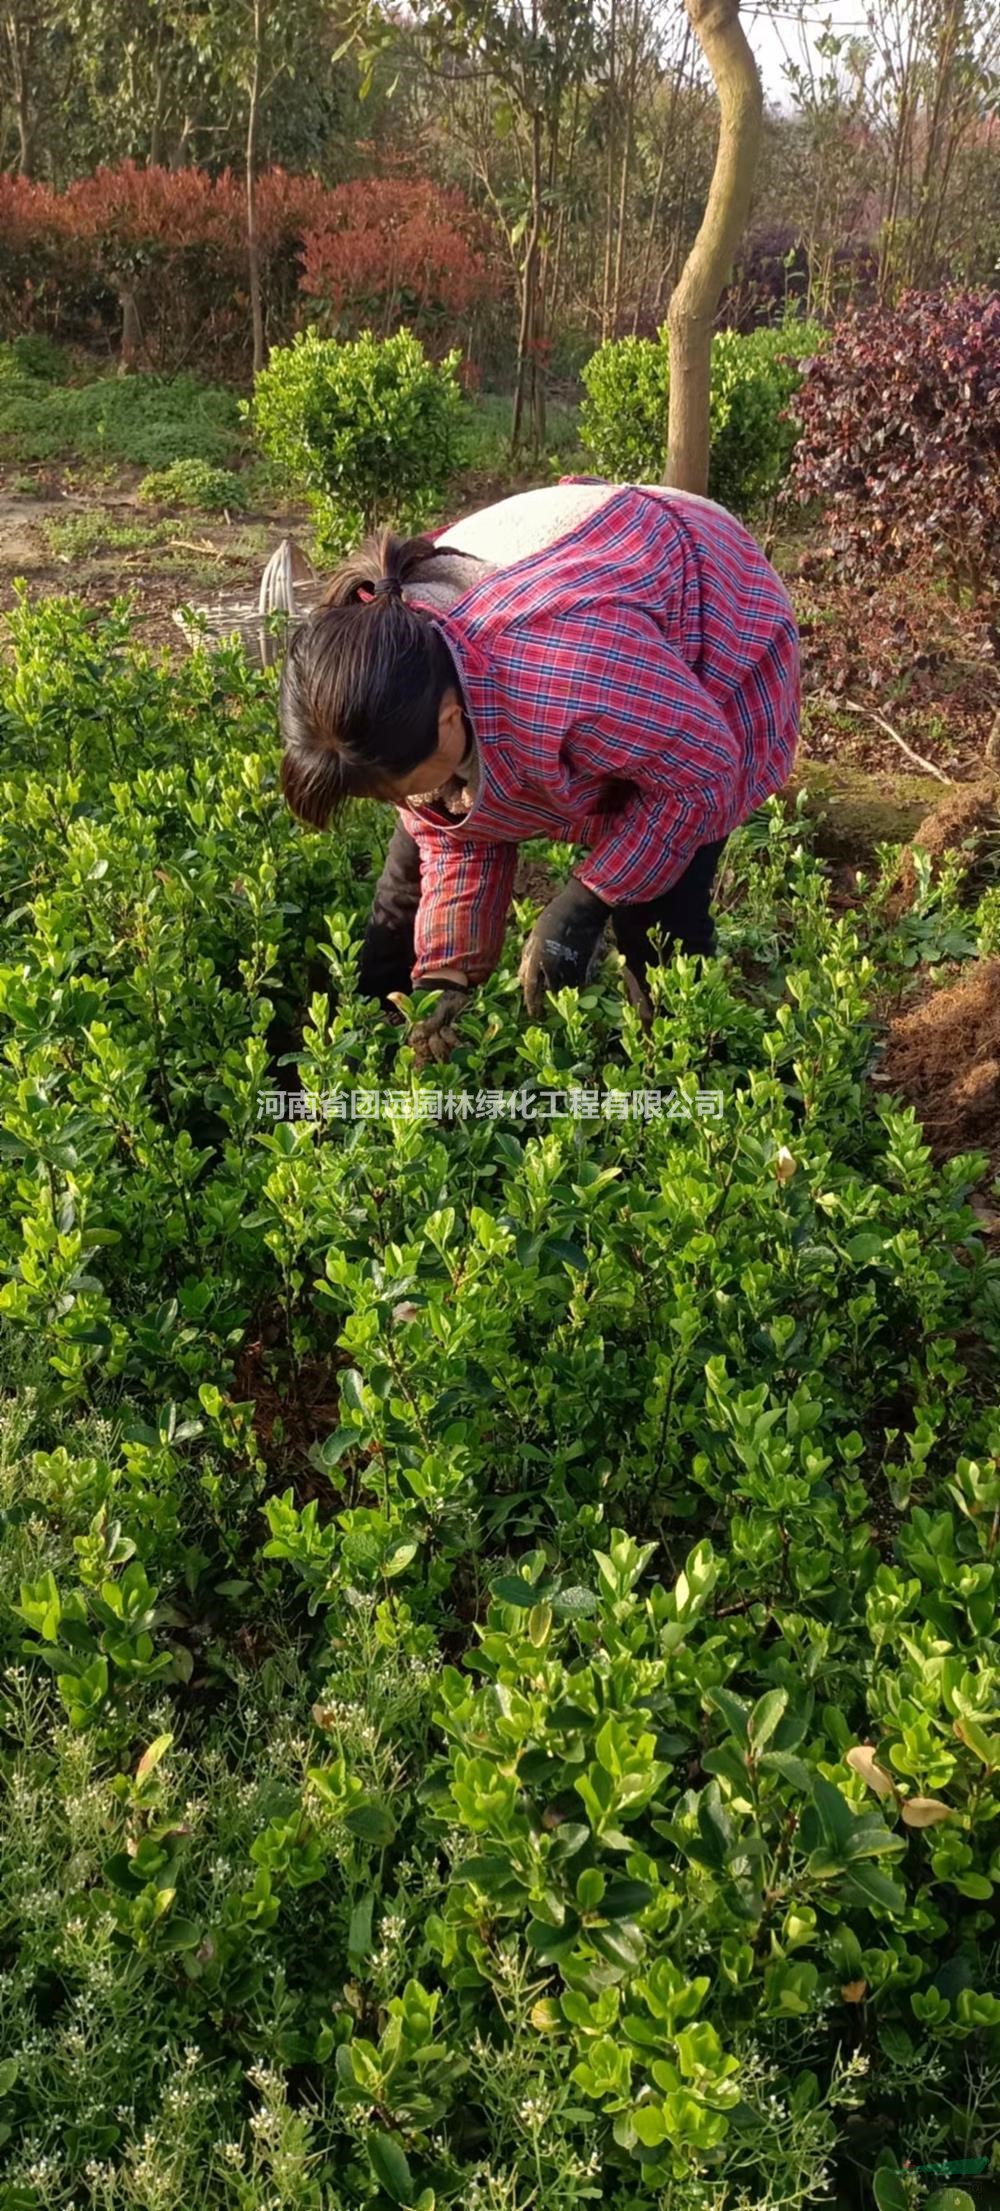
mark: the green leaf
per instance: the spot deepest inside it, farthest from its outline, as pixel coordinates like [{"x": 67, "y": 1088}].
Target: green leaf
[
  {"x": 575, "y": 1604},
  {"x": 713, "y": 1827},
  {"x": 559, "y": 1247},
  {"x": 181, "y": 1934},
  {"x": 120, "y": 1870},
  {"x": 620, "y": 1944},
  {"x": 151, "y": 1758},
  {"x": 984, "y": 1747},
  {"x": 767, "y": 1712},
  {"x": 391, "y": 2167},
  {"x": 8, "y": 2075},
  {"x": 329, "y": 1453},
  {"x": 866, "y": 1246},
  {"x": 549, "y": 1941},
  {"x": 359, "y": 1929},
  {"x": 735, "y": 1714},
  {"x": 512, "y": 1589},
  {"x": 836, "y": 1818},
  {"x": 889, "y": 2189},
  {"x": 41, "y": 1607},
  {"x": 867, "y": 1884},
  {"x": 398, "y": 1559},
  {"x": 622, "y": 1899},
  {"x": 371, "y": 1823},
  {"x": 790, "y": 1768}
]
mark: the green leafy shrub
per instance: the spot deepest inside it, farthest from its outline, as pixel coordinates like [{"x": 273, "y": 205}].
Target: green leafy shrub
[
  {"x": 754, "y": 379},
  {"x": 623, "y": 421},
  {"x": 499, "y": 1605},
  {"x": 369, "y": 430},
  {"x": 193, "y": 483},
  {"x": 33, "y": 354}
]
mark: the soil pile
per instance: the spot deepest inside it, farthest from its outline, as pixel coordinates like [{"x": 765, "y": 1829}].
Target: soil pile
[
  {"x": 534, "y": 879},
  {"x": 944, "y": 1055},
  {"x": 963, "y": 821}
]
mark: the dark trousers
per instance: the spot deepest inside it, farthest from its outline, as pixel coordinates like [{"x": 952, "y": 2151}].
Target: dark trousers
[{"x": 682, "y": 916}]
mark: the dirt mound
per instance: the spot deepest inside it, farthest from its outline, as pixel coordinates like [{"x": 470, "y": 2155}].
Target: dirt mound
[
  {"x": 960, "y": 822},
  {"x": 944, "y": 1055},
  {"x": 965, "y": 813},
  {"x": 535, "y": 880}
]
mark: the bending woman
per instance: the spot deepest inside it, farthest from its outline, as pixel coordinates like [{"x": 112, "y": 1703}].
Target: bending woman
[{"x": 616, "y": 668}]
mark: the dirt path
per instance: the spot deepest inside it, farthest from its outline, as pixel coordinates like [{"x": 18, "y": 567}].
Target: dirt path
[{"x": 64, "y": 539}]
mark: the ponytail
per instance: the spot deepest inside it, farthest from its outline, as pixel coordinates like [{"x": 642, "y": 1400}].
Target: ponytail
[{"x": 363, "y": 682}]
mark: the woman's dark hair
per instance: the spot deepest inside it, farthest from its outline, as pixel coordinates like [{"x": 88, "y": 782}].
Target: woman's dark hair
[{"x": 363, "y": 681}]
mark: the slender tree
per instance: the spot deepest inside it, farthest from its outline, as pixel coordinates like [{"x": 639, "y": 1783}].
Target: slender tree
[
  {"x": 20, "y": 40},
  {"x": 693, "y": 306}
]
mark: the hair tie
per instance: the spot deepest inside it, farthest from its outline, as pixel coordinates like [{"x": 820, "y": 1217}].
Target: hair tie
[{"x": 387, "y": 587}]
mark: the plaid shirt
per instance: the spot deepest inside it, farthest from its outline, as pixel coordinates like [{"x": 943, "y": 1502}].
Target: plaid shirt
[{"x": 634, "y": 688}]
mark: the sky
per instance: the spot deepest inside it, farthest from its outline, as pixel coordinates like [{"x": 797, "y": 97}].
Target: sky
[{"x": 778, "y": 30}]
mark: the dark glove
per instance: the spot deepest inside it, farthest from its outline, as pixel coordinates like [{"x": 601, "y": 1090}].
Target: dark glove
[
  {"x": 436, "y": 1037},
  {"x": 561, "y": 948}
]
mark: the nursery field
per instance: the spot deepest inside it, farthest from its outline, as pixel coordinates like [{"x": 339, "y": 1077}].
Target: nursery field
[{"x": 501, "y": 1697}]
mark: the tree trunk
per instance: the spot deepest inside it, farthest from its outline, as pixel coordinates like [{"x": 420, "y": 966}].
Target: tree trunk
[
  {"x": 19, "y": 42},
  {"x": 555, "y": 291},
  {"x": 609, "y": 210},
  {"x": 25, "y": 140},
  {"x": 131, "y": 332},
  {"x": 525, "y": 405},
  {"x": 692, "y": 311},
  {"x": 156, "y": 118},
  {"x": 936, "y": 166},
  {"x": 178, "y": 155},
  {"x": 628, "y": 146},
  {"x": 901, "y": 66},
  {"x": 253, "y": 242}
]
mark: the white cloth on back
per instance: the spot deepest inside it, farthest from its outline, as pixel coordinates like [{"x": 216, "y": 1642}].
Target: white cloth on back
[{"x": 512, "y": 530}]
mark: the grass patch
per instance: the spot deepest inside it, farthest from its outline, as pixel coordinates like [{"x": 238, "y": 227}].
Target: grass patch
[
  {"x": 99, "y": 534},
  {"x": 81, "y": 536},
  {"x": 852, "y": 812},
  {"x": 138, "y": 421},
  {"x": 27, "y": 487}
]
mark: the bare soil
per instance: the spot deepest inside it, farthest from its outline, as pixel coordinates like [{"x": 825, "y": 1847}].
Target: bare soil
[
  {"x": 209, "y": 556},
  {"x": 291, "y": 1412},
  {"x": 901, "y": 650}
]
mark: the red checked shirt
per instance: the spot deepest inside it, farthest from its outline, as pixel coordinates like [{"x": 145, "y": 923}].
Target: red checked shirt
[{"x": 634, "y": 688}]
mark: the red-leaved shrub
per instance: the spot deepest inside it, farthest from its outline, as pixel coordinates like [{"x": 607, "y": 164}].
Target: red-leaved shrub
[
  {"x": 391, "y": 250},
  {"x": 160, "y": 255},
  {"x": 901, "y": 436},
  {"x": 42, "y": 272}
]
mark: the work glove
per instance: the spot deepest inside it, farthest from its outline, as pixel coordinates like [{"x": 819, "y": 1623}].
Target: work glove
[
  {"x": 563, "y": 944},
  {"x": 435, "y": 1037}
]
